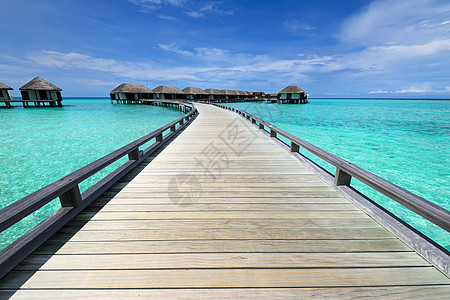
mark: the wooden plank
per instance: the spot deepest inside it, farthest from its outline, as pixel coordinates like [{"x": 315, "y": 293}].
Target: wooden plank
[
  {"x": 221, "y": 194},
  {"x": 216, "y": 200},
  {"x": 404, "y": 292},
  {"x": 224, "y": 223},
  {"x": 216, "y": 278},
  {"x": 226, "y": 233},
  {"x": 226, "y": 207},
  {"x": 189, "y": 215},
  {"x": 222, "y": 260},
  {"x": 55, "y": 245}
]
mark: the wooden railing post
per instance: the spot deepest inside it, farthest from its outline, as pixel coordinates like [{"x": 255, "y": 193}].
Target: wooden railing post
[
  {"x": 273, "y": 133},
  {"x": 172, "y": 128},
  {"x": 134, "y": 155},
  {"x": 261, "y": 126},
  {"x": 294, "y": 147},
  {"x": 159, "y": 137},
  {"x": 342, "y": 178},
  {"x": 71, "y": 198}
]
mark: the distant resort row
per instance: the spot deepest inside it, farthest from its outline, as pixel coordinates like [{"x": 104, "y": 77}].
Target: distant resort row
[{"x": 40, "y": 92}]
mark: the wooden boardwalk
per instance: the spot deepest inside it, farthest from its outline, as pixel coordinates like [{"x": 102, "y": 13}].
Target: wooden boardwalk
[{"x": 223, "y": 211}]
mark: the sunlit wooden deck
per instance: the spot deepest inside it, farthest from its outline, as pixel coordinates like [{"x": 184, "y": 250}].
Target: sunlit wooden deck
[{"x": 223, "y": 211}]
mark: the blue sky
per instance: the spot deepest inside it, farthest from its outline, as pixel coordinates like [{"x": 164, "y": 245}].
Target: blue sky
[{"x": 330, "y": 48}]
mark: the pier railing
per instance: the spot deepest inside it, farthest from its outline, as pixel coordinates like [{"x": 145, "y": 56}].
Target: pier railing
[
  {"x": 68, "y": 191},
  {"x": 346, "y": 170}
]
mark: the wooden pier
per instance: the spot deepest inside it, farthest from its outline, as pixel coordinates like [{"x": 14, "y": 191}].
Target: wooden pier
[{"x": 219, "y": 208}]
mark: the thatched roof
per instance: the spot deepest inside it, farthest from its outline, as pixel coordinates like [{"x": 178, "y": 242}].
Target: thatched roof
[
  {"x": 225, "y": 92},
  {"x": 5, "y": 87},
  {"x": 132, "y": 88},
  {"x": 38, "y": 83},
  {"x": 242, "y": 93},
  {"x": 165, "y": 89},
  {"x": 292, "y": 89},
  {"x": 193, "y": 91},
  {"x": 213, "y": 92}
]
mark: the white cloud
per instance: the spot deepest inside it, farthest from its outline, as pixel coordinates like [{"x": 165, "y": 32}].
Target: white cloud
[
  {"x": 298, "y": 28},
  {"x": 168, "y": 18},
  {"x": 209, "y": 8},
  {"x": 386, "y": 22},
  {"x": 126, "y": 69},
  {"x": 411, "y": 90},
  {"x": 156, "y": 3},
  {"x": 172, "y": 47},
  {"x": 195, "y": 14}
]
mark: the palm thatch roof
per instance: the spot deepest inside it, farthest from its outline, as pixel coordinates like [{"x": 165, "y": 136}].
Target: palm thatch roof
[
  {"x": 193, "y": 91},
  {"x": 213, "y": 92},
  {"x": 242, "y": 93},
  {"x": 5, "y": 87},
  {"x": 132, "y": 88},
  {"x": 225, "y": 92},
  {"x": 166, "y": 89},
  {"x": 292, "y": 89},
  {"x": 38, "y": 84}
]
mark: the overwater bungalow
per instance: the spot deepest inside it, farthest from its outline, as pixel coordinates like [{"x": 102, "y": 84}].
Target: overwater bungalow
[
  {"x": 213, "y": 94},
  {"x": 131, "y": 93},
  {"x": 249, "y": 95},
  {"x": 40, "y": 91},
  {"x": 242, "y": 95},
  {"x": 4, "y": 94},
  {"x": 233, "y": 94},
  {"x": 292, "y": 94},
  {"x": 259, "y": 95},
  {"x": 193, "y": 93},
  {"x": 224, "y": 94},
  {"x": 168, "y": 92},
  {"x": 272, "y": 98}
]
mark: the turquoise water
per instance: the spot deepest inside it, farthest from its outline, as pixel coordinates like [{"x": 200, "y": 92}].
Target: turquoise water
[
  {"x": 41, "y": 145},
  {"x": 404, "y": 141}
]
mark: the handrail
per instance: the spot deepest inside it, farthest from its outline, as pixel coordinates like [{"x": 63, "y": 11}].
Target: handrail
[
  {"x": 346, "y": 170},
  {"x": 67, "y": 189}
]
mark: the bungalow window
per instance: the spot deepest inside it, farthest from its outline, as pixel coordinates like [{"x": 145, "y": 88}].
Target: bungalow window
[
  {"x": 25, "y": 95},
  {"x": 42, "y": 95},
  {"x": 1, "y": 94}
]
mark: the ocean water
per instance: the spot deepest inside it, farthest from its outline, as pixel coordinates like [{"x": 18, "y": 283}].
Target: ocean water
[
  {"x": 41, "y": 145},
  {"x": 404, "y": 141}
]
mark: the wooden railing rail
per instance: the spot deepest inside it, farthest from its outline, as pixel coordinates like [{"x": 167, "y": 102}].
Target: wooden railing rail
[
  {"x": 346, "y": 170},
  {"x": 68, "y": 191}
]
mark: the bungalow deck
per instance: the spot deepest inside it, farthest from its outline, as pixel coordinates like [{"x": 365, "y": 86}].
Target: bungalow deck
[{"x": 37, "y": 103}]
